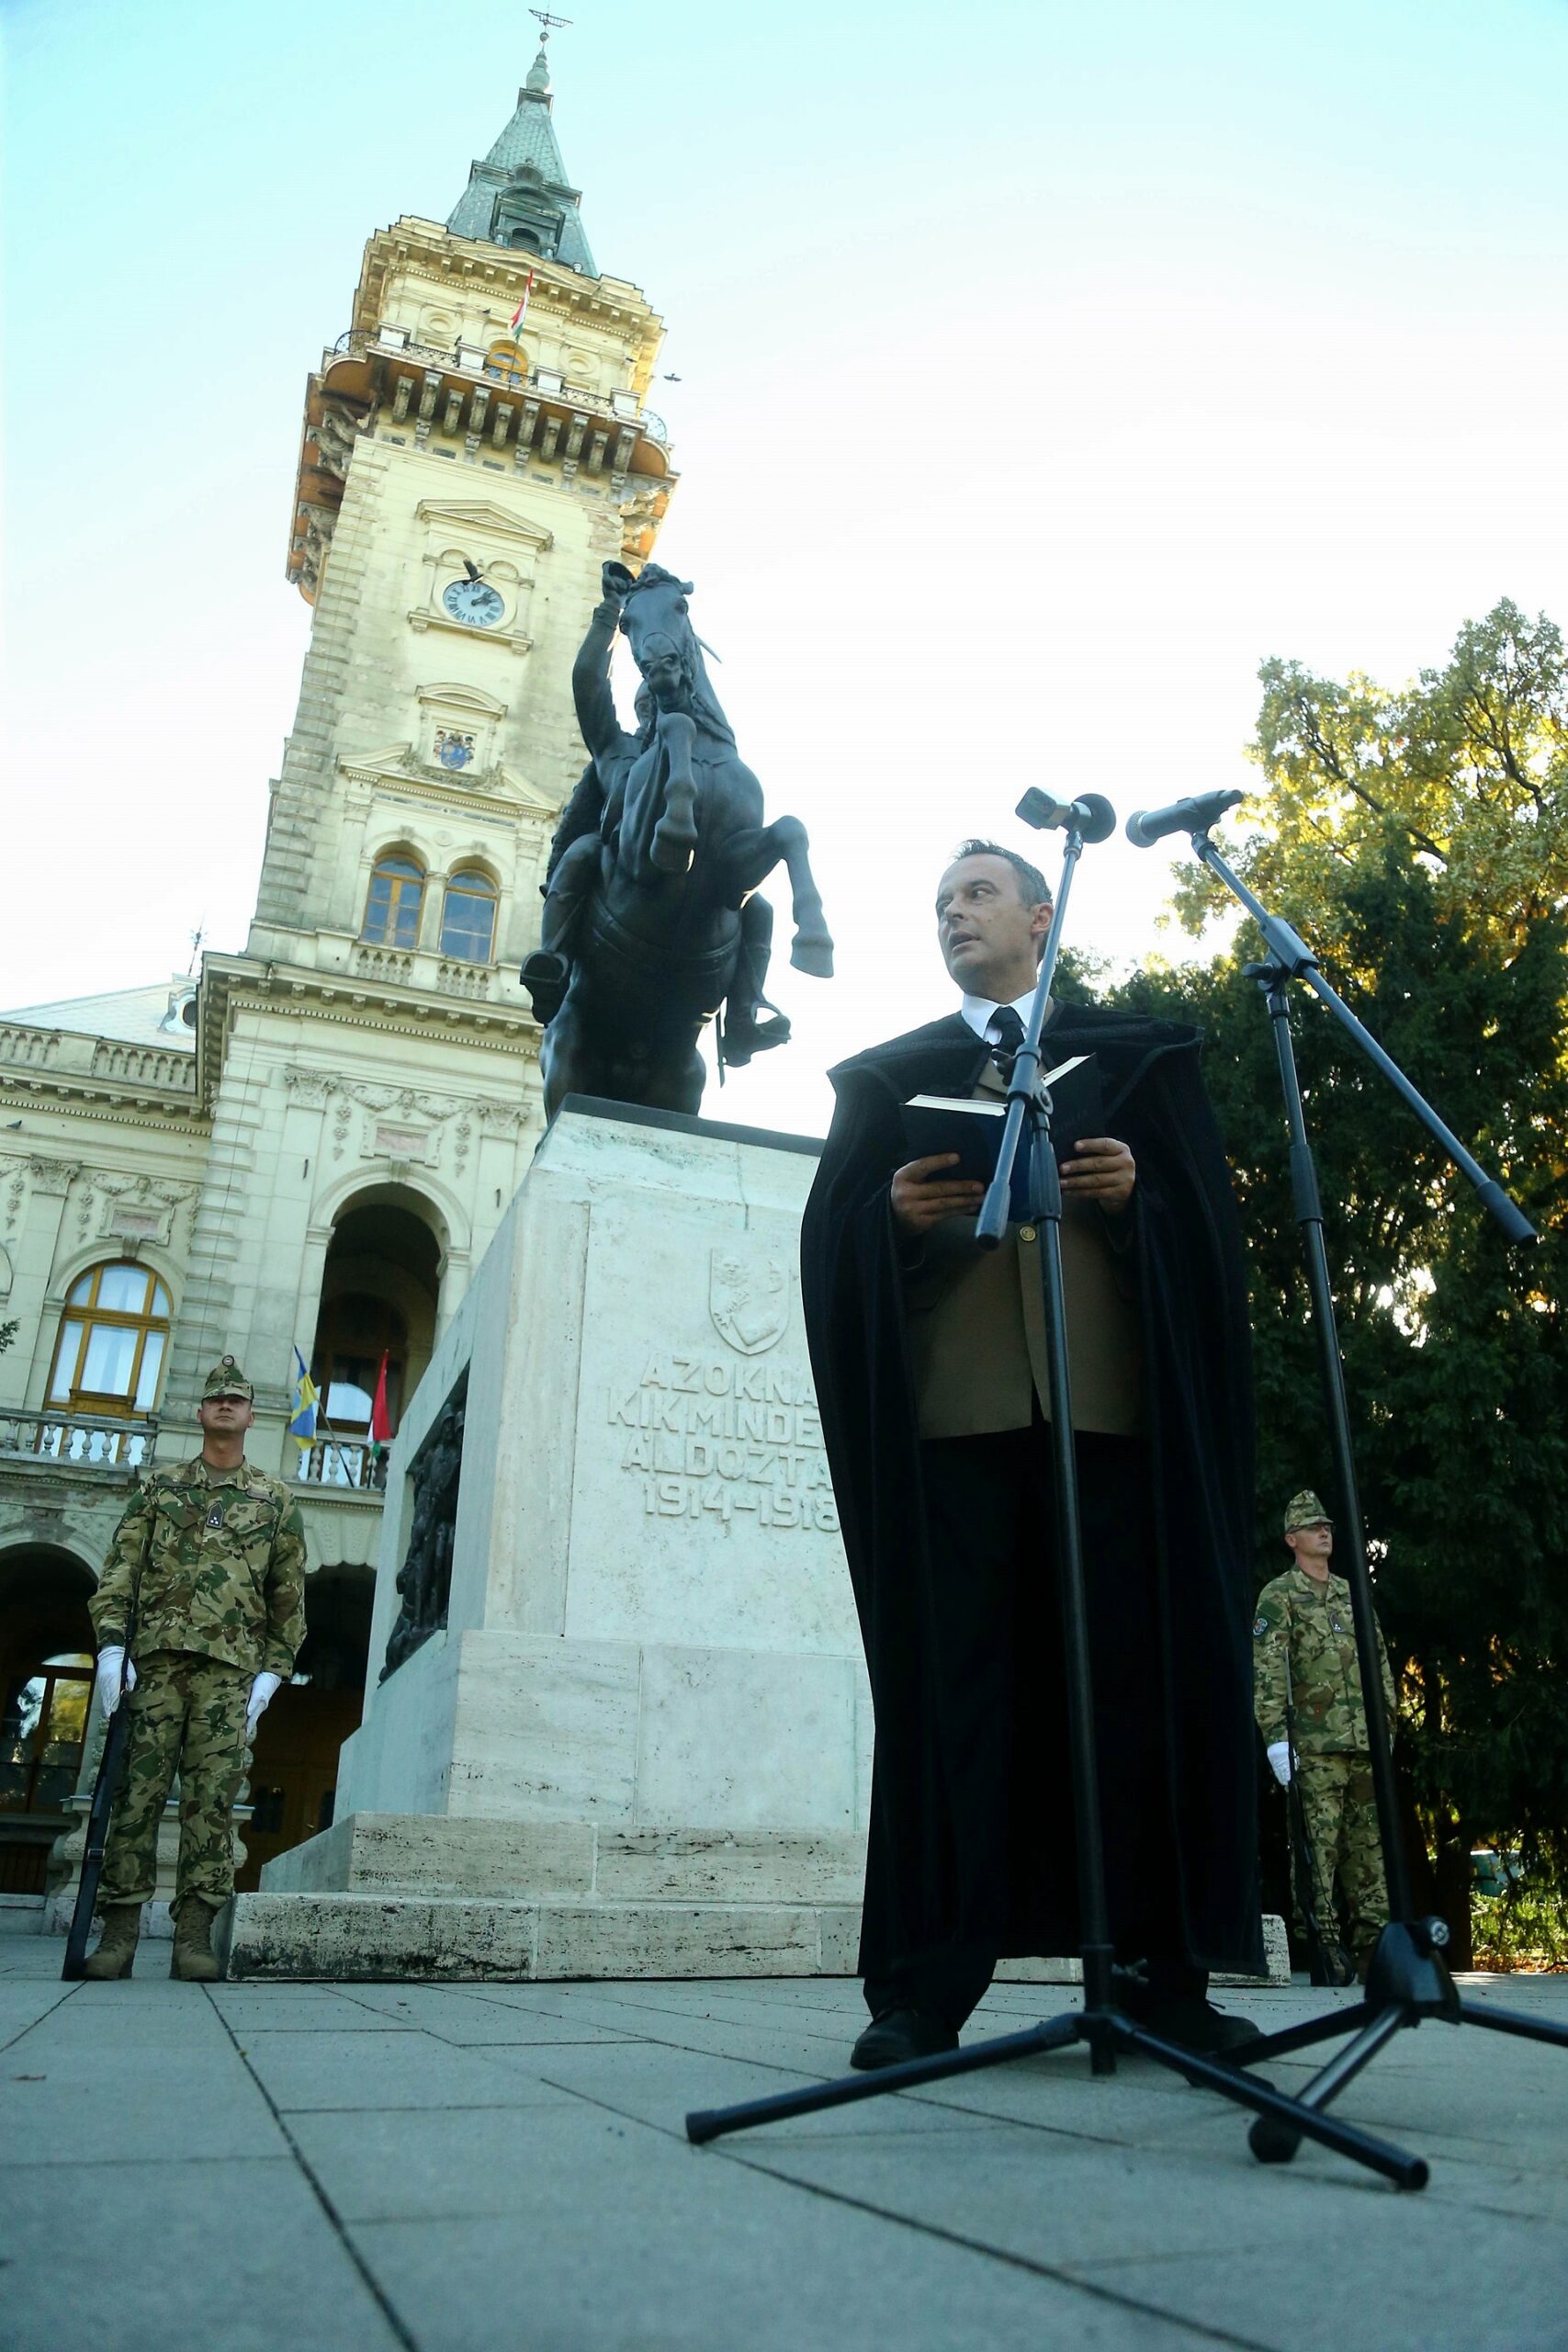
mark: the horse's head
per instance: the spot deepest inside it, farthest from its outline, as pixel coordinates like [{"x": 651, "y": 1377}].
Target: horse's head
[{"x": 656, "y": 624}]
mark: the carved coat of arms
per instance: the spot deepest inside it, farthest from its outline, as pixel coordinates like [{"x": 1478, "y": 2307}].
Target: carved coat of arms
[{"x": 749, "y": 1299}]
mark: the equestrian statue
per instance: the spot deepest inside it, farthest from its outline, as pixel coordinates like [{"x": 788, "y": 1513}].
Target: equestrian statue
[{"x": 651, "y": 926}]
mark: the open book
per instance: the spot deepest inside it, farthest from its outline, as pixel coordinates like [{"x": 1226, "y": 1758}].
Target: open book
[{"x": 972, "y": 1127}]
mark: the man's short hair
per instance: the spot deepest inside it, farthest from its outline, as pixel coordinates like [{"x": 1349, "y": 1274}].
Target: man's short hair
[{"x": 1033, "y": 886}]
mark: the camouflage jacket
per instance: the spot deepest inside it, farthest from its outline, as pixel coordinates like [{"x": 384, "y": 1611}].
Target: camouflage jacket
[
  {"x": 211, "y": 1561},
  {"x": 1313, "y": 1628},
  {"x": 1312, "y": 1625}
]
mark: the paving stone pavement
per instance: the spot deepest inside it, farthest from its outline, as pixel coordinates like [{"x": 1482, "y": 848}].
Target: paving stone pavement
[{"x": 435, "y": 2169}]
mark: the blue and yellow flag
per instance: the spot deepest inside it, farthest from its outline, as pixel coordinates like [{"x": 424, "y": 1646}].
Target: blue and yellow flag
[{"x": 302, "y": 1428}]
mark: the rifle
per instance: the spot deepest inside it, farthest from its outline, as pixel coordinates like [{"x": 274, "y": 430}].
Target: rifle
[
  {"x": 1327, "y": 1962},
  {"x": 109, "y": 1766}
]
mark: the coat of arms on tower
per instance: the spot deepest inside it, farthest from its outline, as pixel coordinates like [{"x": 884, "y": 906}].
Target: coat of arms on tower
[{"x": 748, "y": 1298}]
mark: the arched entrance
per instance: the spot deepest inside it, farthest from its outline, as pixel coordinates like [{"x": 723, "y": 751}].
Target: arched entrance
[
  {"x": 46, "y": 1689},
  {"x": 380, "y": 1290},
  {"x": 294, "y": 1766}
]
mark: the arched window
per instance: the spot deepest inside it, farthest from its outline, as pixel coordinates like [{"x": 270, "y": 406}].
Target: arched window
[
  {"x": 392, "y": 904},
  {"x": 43, "y": 1714},
  {"x": 508, "y": 361},
  {"x": 112, "y": 1338},
  {"x": 467, "y": 917}
]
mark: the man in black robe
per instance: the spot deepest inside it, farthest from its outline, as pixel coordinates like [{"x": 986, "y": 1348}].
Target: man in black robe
[{"x": 930, "y": 1371}]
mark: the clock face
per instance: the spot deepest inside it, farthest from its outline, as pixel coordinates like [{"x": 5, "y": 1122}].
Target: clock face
[{"x": 474, "y": 601}]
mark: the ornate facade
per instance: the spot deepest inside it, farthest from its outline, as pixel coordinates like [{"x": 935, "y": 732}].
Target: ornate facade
[{"x": 314, "y": 1146}]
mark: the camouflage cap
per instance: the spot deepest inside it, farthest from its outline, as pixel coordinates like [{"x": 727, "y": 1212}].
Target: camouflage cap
[
  {"x": 226, "y": 1379},
  {"x": 1305, "y": 1511}
]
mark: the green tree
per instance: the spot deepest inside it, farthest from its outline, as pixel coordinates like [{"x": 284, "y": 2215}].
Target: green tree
[{"x": 1419, "y": 840}]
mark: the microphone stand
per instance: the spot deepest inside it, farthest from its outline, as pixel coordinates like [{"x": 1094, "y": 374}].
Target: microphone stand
[
  {"x": 1408, "y": 1978},
  {"x": 1106, "y": 2028}
]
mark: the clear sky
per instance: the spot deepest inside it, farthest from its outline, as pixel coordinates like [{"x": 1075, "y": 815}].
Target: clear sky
[{"x": 1043, "y": 369}]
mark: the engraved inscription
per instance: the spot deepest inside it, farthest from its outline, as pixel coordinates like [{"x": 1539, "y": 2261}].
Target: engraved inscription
[{"x": 721, "y": 1441}]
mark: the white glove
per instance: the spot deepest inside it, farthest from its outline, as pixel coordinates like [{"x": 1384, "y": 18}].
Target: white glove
[
  {"x": 262, "y": 1693},
  {"x": 1280, "y": 1758},
  {"x": 111, "y": 1661}
]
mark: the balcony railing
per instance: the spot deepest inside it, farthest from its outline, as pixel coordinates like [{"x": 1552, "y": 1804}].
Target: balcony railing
[
  {"x": 82, "y": 1441},
  {"x": 342, "y": 1462},
  {"x": 470, "y": 359},
  {"x": 74, "y": 1053}
]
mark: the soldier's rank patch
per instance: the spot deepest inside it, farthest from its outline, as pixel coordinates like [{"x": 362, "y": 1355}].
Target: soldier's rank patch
[
  {"x": 215, "y": 1516},
  {"x": 1260, "y": 1626}
]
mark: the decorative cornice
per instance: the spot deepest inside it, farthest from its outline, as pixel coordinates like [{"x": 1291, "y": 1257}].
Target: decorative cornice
[
  {"x": 341, "y": 1000},
  {"x": 518, "y": 803},
  {"x": 483, "y": 515},
  {"x": 85, "y": 1098}
]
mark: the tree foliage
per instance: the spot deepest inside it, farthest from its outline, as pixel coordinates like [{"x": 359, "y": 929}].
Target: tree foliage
[{"x": 1419, "y": 841}]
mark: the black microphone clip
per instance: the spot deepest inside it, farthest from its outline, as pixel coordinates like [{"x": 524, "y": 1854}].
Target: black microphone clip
[{"x": 1090, "y": 815}]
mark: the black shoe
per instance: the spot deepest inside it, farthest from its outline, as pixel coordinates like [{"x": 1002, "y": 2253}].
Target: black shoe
[
  {"x": 1181, "y": 2016},
  {"x": 899, "y": 2035},
  {"x": 546, "y": 975}
]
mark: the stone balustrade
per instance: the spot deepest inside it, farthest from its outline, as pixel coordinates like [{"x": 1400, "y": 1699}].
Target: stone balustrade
[
  {"x": 79, "y": 1440},
  {"x": 72, "y": 1053}
]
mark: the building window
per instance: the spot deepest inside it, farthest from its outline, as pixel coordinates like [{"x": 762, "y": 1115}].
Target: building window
[
  {"x": 112, "y": 1338},
  {"x": 391, "y": 908},
  {"x": 508, "y": 362},
  {"x": 43, "y": 1715},
  {"x": 467, "y": 918}
]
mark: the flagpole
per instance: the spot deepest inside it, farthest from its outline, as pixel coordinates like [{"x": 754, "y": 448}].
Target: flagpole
[{"x": 320, "y": 1413}]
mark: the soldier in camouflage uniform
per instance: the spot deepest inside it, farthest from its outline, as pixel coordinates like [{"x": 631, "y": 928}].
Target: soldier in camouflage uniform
[
  {"x": 205, "y": 1574},
  {"x": 1304, "y": 1642}
]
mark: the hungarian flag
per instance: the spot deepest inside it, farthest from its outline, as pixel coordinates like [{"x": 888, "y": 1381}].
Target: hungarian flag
[
  {"x": 380, "y": 1419},
  {"x": 521, "y": 312}
]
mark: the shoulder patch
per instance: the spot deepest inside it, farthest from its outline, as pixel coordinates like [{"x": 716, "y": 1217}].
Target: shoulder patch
[{"x": 1260, "y": 1626}]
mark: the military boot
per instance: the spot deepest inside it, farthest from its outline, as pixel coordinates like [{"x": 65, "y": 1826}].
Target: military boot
[
  {"x": 194, "y": 1957},
  {"x": 116, "y": 1954}
]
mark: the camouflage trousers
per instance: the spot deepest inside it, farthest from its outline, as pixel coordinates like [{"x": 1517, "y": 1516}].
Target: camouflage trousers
[
  {"x": 1342, "y": 1831},
  {"x": 188, "y": 1715}
]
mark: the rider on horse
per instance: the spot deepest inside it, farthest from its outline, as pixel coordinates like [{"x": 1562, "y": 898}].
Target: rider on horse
[{"x": 590, "y": 826}]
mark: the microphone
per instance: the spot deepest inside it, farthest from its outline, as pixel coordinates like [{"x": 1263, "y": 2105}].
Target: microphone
[
  {"x": 1094, "y": 817},
  {"x": 1147, "y": 826}
]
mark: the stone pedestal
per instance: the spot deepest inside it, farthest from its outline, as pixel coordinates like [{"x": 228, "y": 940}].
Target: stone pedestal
[{"x": 641, "y": 1744}]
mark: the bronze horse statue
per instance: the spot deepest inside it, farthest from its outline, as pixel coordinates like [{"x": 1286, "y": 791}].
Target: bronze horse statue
[{"x": 650, "y": 923}]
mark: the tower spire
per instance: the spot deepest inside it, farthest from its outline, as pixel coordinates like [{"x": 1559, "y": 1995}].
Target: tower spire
[{"x": 520, "y": 195}]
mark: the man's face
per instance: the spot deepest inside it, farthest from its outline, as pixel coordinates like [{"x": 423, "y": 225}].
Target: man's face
[
  {"x": 225, "y": 1415},
  {"x": 985, "y": 931},
  {"x": 1311, "y": 1545}
]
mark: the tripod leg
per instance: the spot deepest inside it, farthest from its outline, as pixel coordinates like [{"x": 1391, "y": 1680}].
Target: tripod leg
[
  {"x": 1299, "y": 2037},
  {"x": 1274, "y": 2141},
  {"x": 1279, "y": 2117},
  {"x": 1510, "y": 2021},
  {"x": 712, "y": 2122}
]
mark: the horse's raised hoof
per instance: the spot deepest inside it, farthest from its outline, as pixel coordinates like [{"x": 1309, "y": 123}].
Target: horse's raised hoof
[
  {"x": 672, "y": 853},
  {"x": 547, "y": 977},
  {"x": 813, "y": 953}
]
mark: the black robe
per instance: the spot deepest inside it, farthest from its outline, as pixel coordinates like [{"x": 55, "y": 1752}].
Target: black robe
[{"x": 1192, "y": 1291}]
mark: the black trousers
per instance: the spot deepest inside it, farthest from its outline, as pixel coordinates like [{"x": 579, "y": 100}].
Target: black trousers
[{"x": 1003, "y": 1703}]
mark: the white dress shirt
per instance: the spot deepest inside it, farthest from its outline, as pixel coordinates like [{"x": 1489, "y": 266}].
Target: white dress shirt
[{"x": 980, "y": 1011}]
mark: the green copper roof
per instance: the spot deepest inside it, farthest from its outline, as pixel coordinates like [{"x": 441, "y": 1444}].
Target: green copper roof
[{"x": 520, "y": 195}]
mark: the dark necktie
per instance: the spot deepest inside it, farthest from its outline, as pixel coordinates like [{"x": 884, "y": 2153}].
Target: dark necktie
[{"x": 1008, "y": 1031}]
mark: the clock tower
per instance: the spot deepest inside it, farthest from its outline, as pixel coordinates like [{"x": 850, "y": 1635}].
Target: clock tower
[{"x": 475, "y": 446}]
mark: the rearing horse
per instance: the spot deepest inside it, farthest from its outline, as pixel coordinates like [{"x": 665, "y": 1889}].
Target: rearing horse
[{"x": 650, "y": 924}]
